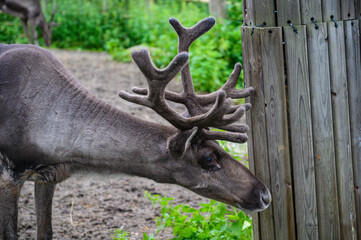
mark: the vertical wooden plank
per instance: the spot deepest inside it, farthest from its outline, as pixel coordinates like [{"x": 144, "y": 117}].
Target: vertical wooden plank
[
  {"x": 265, "y": 13},
  {"x": 301, "y": 133},
  {"x": 353, "y": 61},
  {"x": 277, "y": 132},
  {"x": 260, "y": 151},
  {"x": 358, "y": 9},
  {"x": 288, "y": 10},
  {"x": 331, "y": 8},
  {"x": 323, "y": 142},
  {"x": 248, "y": 83},
  {"x": 348, "y": 9},
  {"x": 261, "y": 12},
  {"x": 340, "y": 114},
  {"x": 310, "y": 9},
  {"x": 247, "y": 12}
]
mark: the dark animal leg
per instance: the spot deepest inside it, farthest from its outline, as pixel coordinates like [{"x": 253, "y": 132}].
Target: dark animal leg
[
  {"x": 44, "y": 193},
  {"x": 34, "y": 32},
  {"x": 9, "y": 196},
  {"x": 26, "y": 30}
]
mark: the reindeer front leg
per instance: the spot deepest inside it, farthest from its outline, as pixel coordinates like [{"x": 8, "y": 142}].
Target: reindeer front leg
[{"x": 44, "y": 193}]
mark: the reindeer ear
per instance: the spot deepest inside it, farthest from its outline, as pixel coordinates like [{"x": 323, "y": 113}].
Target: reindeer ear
[{"x": 179, "y": 143}]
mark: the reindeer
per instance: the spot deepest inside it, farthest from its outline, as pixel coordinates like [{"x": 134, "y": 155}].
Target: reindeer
[
  {"x": 30, "y": 10},
  {"x": 52, "y": 127}
]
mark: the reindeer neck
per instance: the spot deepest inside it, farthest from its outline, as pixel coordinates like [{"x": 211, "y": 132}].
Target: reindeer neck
[
  {"x": 100, "y": 137},
  {"x": 109, "y": 139}
]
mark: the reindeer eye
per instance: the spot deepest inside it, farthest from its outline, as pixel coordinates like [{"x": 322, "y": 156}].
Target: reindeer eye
[{"x": 209, "y": 163}]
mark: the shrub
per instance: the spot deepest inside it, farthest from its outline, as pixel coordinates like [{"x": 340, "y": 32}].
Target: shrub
[
  {"x": 11, "y": 30},
  {"x": 110, "y": 26}
]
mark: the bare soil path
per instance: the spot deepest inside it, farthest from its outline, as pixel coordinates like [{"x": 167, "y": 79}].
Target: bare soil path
[{"x": 91, "y": 206}]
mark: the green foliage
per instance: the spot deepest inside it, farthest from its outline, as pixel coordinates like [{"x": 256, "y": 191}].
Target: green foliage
[
  {"x": 11, "y": 30},
  {"x": 86, "y": 25},
  {"x": 120, "y": 234},
  {"x": 212, "y": 56},
  {"x": 114, "y": 27},
  {"x": 212, "y": 221}
]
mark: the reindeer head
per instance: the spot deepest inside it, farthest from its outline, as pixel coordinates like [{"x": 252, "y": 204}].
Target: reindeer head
[{"x": 197, "y": 161}]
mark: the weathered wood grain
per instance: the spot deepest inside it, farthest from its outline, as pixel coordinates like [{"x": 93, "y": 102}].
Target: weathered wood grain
[
  {"x": 301, "y": 133},
  {"x": 331, "y": 8},
  {"x": 310, "y": 9},
  {"x": 340, "y": 114},
  {"x": 348, "y": 9},
  {"x": 247, "y": 12},
  {"x": 353, "y": 60},
  {"x": 261, "y": 12},
  {"x": 277, "y": 132},
  {"x": 248, "y": 83},
  {"x": 288, "y": 10},
  {"x": 358, "y": 9},
  {"x": 323, "y": 141},
  {"x": 260, "y": 151}
]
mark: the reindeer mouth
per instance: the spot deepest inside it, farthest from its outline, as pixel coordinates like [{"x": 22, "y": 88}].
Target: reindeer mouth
[{"x": 264, "y": 202}]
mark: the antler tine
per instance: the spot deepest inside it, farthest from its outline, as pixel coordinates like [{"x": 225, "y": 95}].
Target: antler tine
[
  {"x": 247, "y": 106},
  {"x": 242, "y": 128},
  {"x": 231, "y": 118},
  {"x": 142, "y": 59},
  {"x": 172, "y": 96},
  {"x": 226, "y": 136},
  {"x": 186, "y": 36},
  {"x": 157, "y": 81},
  {"x": 229, "y": 88}
]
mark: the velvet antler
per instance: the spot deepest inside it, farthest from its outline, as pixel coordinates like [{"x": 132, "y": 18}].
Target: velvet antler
[{"x": 204, "y": 111}]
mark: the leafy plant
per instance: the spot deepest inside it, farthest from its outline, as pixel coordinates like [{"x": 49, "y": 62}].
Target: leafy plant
[
  {"x": 213, "y": 220},
  {"x": 11, "y": 30},
  {"x": 120, "y": 234}
]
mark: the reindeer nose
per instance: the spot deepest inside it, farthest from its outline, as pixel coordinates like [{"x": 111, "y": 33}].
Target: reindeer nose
[{"x": 266, "y": 198}]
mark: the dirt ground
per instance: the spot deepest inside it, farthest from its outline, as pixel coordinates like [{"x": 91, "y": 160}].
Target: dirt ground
[{"x": 92, "y": 206}]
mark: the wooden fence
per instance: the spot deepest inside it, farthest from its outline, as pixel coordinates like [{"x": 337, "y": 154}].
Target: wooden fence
[{"x": 303, "y": 59}]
